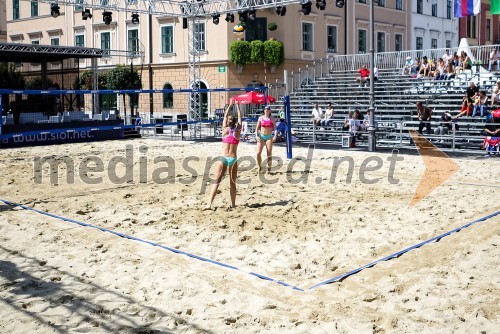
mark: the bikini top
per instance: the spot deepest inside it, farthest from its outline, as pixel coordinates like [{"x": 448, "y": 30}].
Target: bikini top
[
  {"x": 230, "y": 138},
  {"x": 266, "y": 123}
]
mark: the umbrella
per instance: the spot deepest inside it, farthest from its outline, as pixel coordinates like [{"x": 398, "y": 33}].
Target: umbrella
[{"x": 253, "y": 97}]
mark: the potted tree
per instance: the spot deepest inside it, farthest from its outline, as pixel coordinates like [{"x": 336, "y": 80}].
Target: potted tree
[
  {"x": 274, "y": 53},
  {"x": 256, "y": 51},
  {"x": 240, "y": 53},
  {"x": 125, "y": 77}
]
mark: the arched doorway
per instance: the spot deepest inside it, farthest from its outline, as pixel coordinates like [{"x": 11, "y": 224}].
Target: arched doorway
[{"x": 202, "y": 98}]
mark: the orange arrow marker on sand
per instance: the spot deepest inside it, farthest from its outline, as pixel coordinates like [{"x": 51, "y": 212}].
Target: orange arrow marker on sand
[{"x": 438, "y": 167}]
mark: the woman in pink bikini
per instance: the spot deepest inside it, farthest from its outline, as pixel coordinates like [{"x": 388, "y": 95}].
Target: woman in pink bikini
[
  {"x": 267, "y": 125},
  {"x": 231, "y": 132}
]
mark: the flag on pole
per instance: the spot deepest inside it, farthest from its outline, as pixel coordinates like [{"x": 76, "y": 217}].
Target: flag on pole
[
  {"x": 495, "y": 7},
  {"x": 467, "y": 7}
]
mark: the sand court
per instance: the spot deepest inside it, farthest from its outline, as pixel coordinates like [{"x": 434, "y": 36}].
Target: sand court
[{"x": 301, "y": 233}]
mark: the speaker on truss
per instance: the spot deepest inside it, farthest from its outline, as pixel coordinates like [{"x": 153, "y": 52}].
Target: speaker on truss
[{"x": 184, "y": 23}]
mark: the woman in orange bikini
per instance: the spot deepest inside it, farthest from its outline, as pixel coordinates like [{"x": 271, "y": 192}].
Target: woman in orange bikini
[
  {"x": 231, "y": 132},
  {"x": 266, "y": 124}
]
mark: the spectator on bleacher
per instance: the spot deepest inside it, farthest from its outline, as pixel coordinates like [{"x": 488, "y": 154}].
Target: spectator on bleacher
[
  {"x": 364, "y": 75},
  {"x": 317, "y": 115},
  {"x": 450, "y": 72},
  {"x": 281, "y": 114},
  {"x": 407, "y": 66},
  {"x": 424, "y": 68},
  {"x": 494, "y": 60},
  {"x": 347, "y": 121},
  {"x": 375, "y": 73},
  {"x": 480, "y": 104},
  {"x": 366, "y": 120},
  {"x": 355, "y": 123},
  {"x": 416, "y": 66},
  {"x": 472, "y": 89},
  {"x": 138, "y": 120},
  {"x": 492, "y": 133},
  {"x": 424, "y": 116},
  {"x": 466, "y": 106},
  {"x": 455, "y": 60},
  {"x": 328, "y": 119},
  {"x": 432, "y": 66},
  {"x": 465, "y": 63},
  {"x": 445, "y": 126},
  {"x": 440, "y": 70},
  {"x": 492, "y": 127},
  {"x": 495, "y": 95},
  {"x": 447, "y": 57}
]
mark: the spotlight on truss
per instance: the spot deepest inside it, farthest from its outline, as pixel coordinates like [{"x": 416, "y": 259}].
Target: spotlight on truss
[
  {"x": 321, "y": 4},
  {"x": 306, "y": 7},
  {"x": 107, "y": 17},
  {"x": 86, "y": 14},
  {"x": 215, "y": 18},
  {"x": 55, "y": 10},
  {"x": 135, "y": 18},
  {"x": 281, "y": 11},
  {"x": 229, "y": 17},
  {"x": 251, "y": 14},
  {"x": 243, "y": 15}
]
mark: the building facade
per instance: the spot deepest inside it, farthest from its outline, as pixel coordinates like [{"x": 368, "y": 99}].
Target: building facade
[
  {"x": 481, "y": 29},
  {"x": 3, "y": 21},
  {"x": 163, "y": 42},
  {"x": 433, "y": 25}
]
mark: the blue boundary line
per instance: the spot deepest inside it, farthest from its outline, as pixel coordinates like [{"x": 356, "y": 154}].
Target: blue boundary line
[
  {"x": 338, "y": 278},
  {"x": 401, "y": 252},
  {"x": 173, "y": 250}
]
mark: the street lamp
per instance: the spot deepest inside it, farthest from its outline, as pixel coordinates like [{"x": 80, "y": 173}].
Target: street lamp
[{"x": 371, "y": 129}]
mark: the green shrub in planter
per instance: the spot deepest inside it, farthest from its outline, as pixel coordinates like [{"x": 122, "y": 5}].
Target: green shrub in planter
[
  {"x": 240, "y": 52},
  {"x": 274, "y": 52},
  {"x": 272, "y": 26},
  {"x": 257, "y": 52}
]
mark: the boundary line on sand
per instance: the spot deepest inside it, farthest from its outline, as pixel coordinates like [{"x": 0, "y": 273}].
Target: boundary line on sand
[
  {"x": 173, "y": 250},
  {"x": 338, "y": 278}
]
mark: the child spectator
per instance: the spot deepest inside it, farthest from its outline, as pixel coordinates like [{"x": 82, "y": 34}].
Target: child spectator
[{"x": 480, "y": 104}]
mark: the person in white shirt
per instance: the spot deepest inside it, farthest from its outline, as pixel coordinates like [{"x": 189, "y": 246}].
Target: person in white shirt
[
  {"x": 317, "y": 115},
  {"x": 407, "y": 66},
  {"x": 366, "y": 120},
  {"x": 328, "y": 118},
  {"x": 495, "y": 94},
  {"x": 447, "y": 57},
  {"x": 494, "y": 60}
]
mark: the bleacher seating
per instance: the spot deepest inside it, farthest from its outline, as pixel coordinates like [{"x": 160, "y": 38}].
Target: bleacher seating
[
  {"x": 70, "y": 116},
  {"x": 395, "y": 96},
  {"x": 32, "y": 117}
]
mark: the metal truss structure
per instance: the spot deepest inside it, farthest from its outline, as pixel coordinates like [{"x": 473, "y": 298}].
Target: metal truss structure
[
  {"x": 65, "y": 52},
  {"x": 177, "y": 8},
  {"x": 192, "y": 10}
]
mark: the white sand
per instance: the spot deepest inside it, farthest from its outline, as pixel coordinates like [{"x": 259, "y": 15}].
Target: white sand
[{"x": 56, "y": 276}]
